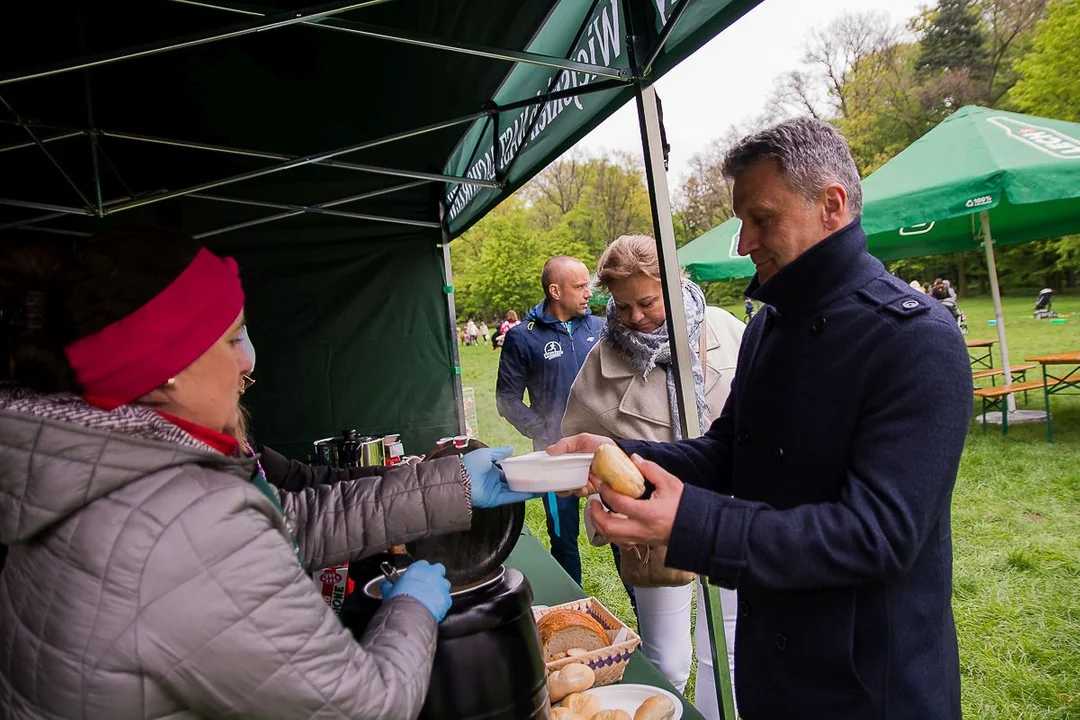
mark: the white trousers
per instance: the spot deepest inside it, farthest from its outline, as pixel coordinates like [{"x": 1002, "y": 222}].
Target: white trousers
[
  {"x": 664, "y": 626},
  {"x": 705, "y": 687}
]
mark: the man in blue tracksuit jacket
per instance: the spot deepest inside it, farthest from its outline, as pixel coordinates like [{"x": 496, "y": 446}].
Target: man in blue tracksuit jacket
[
  {"x": 543, "y": 355},
  {"x": 823, "y": 490}
]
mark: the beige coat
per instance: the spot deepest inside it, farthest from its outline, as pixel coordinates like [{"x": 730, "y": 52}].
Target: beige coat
[{"x": 610, "y": 398}]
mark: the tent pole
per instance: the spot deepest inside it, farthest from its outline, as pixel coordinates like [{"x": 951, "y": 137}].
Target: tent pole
[
  {"x": 395, "y": 35},
  {"x": 297, "y": 162},
  {"x": 279, "y": 20},
  {"x": 320, "y": 209},
  {"x": 45, "y": 206},
  {"x": 678, "y": 331},
  {"x": 451, "y": 316},
  {"x": 664, "y": 229},
  {"x": 995, "y": 291},
  {"x": 434, "y": 177},
  {"x": 20, "y": 146}
]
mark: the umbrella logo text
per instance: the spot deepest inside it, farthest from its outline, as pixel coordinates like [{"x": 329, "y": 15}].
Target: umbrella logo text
[
  {"x": 920, "y": 229},
  {"x": 1041, "y": 138}
]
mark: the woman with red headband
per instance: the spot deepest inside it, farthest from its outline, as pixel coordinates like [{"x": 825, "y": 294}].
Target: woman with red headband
[{"x": 152, "y": 570}]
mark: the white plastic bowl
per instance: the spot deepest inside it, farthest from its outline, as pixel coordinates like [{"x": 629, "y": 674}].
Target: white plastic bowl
[{"x": 540, "y": 472}]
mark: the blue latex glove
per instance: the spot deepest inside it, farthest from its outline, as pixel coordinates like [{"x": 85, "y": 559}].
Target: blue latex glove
[
  {"x": 489, "y": 487},
  {"x": 425, "y": 583}
]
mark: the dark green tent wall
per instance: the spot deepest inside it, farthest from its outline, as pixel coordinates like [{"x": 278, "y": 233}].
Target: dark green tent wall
[{"x": 351, "y": 334}]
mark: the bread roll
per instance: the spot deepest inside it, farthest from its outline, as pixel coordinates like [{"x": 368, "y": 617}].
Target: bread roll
[
  {"x": 561, "y": 630},
  {"x": 584, "y": 704},
  {"x": 571, "y": 678},
  {"x": 658, "y": 707},
  {"x": 619, "y": 472},
  {"x": 576, "y": 652},
  {"x": 559, "y": 713},
  {"x": 611, "y": 715}
]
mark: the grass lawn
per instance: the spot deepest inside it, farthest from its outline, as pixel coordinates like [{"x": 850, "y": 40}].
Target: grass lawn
[{"x": 1016, "y": 531}]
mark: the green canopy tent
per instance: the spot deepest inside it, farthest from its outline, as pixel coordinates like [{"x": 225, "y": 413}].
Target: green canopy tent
[
  {"x": 981, "y": 176},
  {"x": 335, "y": 150},
  {"x": 715, "y": 255}
]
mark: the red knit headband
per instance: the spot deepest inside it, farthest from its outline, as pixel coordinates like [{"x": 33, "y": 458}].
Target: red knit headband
[{"x": 140, "y": 352}]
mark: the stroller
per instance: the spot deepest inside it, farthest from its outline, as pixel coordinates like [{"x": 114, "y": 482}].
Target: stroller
[
  {"x": 958, "y": 314},
  {"x": 1044, "y": 305}
]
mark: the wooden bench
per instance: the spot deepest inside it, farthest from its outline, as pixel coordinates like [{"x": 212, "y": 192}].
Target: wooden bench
[
  {"x": 993, "y": 398},
  {"x": 1019, "y": 375},
  {"x": 1016, "y": 370}
]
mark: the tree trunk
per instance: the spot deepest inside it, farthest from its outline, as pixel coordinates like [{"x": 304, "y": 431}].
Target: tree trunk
[{"x": 961, "y": 275}]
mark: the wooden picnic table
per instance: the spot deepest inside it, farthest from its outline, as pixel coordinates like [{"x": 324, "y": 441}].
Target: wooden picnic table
[
  {"x": 984, "y": 359},
  {"x": 1068, "y": 384}
]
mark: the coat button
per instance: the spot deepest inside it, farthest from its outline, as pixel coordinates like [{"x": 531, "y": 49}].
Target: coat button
[
  {"x": 819, "y": 325},
  {"x": 779, "y": 454},
  {"x": 744, "y": 609},
  {"x": 742, "y": 438},
  {"x": 781, "y": 641}
]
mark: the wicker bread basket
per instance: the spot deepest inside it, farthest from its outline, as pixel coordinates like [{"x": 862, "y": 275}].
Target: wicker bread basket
[{"x": 608, "y": 663}]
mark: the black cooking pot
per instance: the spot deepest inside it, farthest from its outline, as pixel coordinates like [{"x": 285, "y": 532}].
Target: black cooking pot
[{"x": 488, "y": 661}]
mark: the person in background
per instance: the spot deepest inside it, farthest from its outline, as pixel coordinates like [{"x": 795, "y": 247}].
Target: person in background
[
  {"x": 470, "y": 332},
  {"x": 748, "y": 305},
  {"x": 511, "y": 320},
  {"x": 483, "y": 330},
  {"x": 176, "y": 577},
  {"x": 823, "y": 491},
  {"x": 542, "y": 356},
  {"x": 626, "y": 389}
]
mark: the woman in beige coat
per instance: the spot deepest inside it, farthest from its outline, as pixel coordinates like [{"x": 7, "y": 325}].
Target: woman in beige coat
[{"x": 626, "y": 390}]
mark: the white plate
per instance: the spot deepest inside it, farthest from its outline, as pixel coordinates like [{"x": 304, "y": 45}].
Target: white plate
[
  {"x": 540, "y": 472},
  {"x": 629, "y": 697}
]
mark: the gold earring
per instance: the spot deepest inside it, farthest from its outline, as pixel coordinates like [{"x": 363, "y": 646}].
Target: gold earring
[{"x": 170, "y": 383}]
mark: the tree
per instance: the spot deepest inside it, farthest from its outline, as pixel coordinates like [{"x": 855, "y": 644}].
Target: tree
[
  {"x": 703, "y": 199},
  {"x": 1008, "y": 25},
  {"x": 952, "y": 61},
  {"x": 1049, "y": 83},
  {"x": 952, "y": 39},
  {"x": 557, "y": 189}
]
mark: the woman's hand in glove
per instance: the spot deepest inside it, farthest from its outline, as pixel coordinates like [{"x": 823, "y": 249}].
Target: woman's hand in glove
[
  {"x": 425, "y": 583},
  {"x": 489, "y": 487}
]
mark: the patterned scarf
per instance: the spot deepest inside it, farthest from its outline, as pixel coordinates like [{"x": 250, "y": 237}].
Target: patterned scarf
[{"x": 645, "y": 351}]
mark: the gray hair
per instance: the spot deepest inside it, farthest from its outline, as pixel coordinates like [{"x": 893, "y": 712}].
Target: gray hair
[{"x": 811, "y": 155}]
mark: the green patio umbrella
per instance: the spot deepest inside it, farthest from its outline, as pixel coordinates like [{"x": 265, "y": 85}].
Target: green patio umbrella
[
  {"x": 715, "y": 256},
  {"x": 981, "y": 176}
]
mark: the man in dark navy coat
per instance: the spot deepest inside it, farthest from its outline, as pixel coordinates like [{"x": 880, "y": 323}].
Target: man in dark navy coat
[{"x": 822, "y": 490}]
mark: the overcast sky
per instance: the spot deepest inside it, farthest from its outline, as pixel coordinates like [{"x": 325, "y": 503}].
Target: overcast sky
[{"x": 729, "y": 80}]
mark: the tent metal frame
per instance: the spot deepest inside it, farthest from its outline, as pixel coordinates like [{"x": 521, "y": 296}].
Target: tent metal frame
[{"x": 322, "y": 17}]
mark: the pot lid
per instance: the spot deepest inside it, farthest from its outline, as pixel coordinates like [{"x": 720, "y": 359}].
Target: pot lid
[{"x": 477, "y": 553}]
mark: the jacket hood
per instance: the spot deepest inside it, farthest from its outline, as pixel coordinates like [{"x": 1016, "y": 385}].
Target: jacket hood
[
  {"x": 58, "y": 454},
  {"x": 539, "y": 314}
]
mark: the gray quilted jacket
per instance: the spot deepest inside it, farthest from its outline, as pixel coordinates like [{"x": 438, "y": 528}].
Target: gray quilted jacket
[{"x": 148, "y": 578}]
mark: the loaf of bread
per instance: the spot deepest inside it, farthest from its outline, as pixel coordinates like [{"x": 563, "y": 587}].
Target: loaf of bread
[
  {"x": 563, "y": 630},
  {"x": 619, "y": 472},
  {"x": 611, "y": 715},
  {"x": 658, "y": 707},
  {"x": 572, "y": 678}
]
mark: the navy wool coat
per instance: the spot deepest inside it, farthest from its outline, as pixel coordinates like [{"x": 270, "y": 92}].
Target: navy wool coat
[{"x": 822, "y": 493}]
